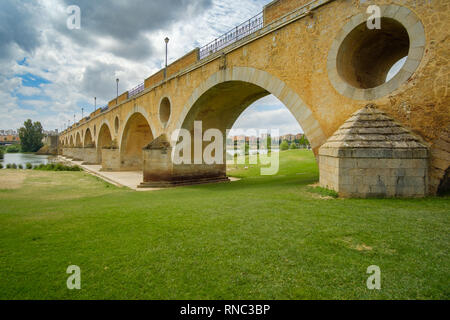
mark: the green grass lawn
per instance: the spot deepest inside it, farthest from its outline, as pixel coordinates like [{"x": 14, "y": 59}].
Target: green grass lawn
[{"x": 271, "y": 237}]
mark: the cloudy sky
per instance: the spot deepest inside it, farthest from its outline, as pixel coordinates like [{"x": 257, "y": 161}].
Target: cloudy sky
[{"x": 49, "y": 72}]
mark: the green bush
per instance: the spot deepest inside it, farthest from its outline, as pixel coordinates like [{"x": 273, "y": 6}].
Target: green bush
[
  {"x": 20, "y": 166},
  {"x": 14, "y": 148},
  {"x": 29, "y": 166},
  {"x": 14, "y": 166},
  {"x": 1, "y": 166},
  {"x": 8, "y": 166},
  {"x": 56, "y": 167},
  {"x": 1, "y": 153},
  {"x": 293, "y": 146},
  {"x": 284, "y": 145}
]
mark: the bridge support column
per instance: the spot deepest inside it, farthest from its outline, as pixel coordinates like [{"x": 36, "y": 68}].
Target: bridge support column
[
  {"x": 160, "y": 171},
  {"x": 69, "y": 153},
  {"x": 89, "y": 156},
  {"x": 77, "y": 154},
  {"x": 370, "y": 155},
  {"x": 110, "y": 160}
]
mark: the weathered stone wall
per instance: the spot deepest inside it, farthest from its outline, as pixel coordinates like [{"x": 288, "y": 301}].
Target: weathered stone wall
[
  {"x": 182, "y": 63},
  {"x": 110, "y": 160},
  {"x": 374, "y": 177},
  {"x": 77, "y": 154},
  {"x": 123, "y": 97},
  {"x": 67, "y": 152},
  {"x": 89, "y": 156},
  {"x": 278, "y": 8},
  {"x": 154, "y": 79}
]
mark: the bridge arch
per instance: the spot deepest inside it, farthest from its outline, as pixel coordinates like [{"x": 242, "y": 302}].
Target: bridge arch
[
  {"x": 136, "y": 134},
  {"x": 244, "y": 85},
  {"x": 104, "y": 139},
  {"x": 71, "y": 144},
  {"x": 88, "y": 140},
  {"x": 78, "y": 142}
]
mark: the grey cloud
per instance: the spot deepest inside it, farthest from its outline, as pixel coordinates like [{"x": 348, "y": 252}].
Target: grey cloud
[
  {"x": 99, "y": 80},
  {"x": 18, "y": 27},
  {"x": 127, "y": 22},
  {"x": 139, "y": 49}
]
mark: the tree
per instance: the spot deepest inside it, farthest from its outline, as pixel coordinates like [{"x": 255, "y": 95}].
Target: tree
[
  {"x": 31, "y": 136},
  {"x": 304, "y": 142},
  {"x": 284, "y": 145}
]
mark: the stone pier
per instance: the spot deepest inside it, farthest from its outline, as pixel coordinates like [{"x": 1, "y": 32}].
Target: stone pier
[{"x": 371, "y": 155}]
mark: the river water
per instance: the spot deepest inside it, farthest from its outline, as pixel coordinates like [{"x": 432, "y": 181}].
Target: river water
[{"x": 24, "y": 158}]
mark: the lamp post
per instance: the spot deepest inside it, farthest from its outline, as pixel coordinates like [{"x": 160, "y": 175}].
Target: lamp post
[
  {"x": 117, "y": 88},
  {"x": 82, "y": 113},
  {"x": 166, "y": 40},
  {"x": 95, "y": 104}
]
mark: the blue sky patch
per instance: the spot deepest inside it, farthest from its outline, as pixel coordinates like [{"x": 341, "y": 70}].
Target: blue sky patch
[{"x": 31, "y": 80}]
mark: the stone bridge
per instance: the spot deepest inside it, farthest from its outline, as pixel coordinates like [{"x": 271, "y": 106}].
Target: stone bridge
[{"x": 320, "y": 58}]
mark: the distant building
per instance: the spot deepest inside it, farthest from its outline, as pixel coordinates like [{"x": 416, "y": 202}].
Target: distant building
[{"x": 9, "y": 139}]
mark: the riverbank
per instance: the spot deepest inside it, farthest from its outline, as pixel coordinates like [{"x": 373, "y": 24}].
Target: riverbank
[{"x": 24, "y": 158}]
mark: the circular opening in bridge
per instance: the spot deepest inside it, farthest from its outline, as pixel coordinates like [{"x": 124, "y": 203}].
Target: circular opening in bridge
[
  {"x": 366, "y": 56},
  {"x": 164, "y": 111},
  {"x": 116, "y": 124}
]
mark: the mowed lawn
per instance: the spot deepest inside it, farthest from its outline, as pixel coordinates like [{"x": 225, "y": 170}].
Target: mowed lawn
[{"x": 263, "y": 237}]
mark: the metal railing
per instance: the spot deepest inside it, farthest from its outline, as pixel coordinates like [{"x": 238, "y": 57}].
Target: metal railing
[
  {"x": 241, "y": 31},
  {"x": 136, "y": 90}
]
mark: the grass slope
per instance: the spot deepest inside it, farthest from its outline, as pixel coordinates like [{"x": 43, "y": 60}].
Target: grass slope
[{"x": 258, "y": 238}]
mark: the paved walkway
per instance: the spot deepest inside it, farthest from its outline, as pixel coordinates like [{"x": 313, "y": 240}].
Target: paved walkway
[{"x": 129, "y": 179}]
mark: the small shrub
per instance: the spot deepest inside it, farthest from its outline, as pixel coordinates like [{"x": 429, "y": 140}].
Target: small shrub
[
  {"x": 14, "y": 166},
  {"x": 284, "y": 145},
  {"x": 293, "y": 146},
  {"x": 29, "y": 166},
  {"x": 13, "y": 148},
  {"x": 56, "y": 167},
  {"x": 8, "y": 166},
  {"x": 20, "y": 167},
  {"x": 1, "y": 166}
]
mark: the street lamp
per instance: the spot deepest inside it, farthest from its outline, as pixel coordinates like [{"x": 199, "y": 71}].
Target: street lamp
[
  {"x": 166, "y": 40},
  {"x": 82, "y": 113},
  {"x": 117, "y": 87},
  {"x": 95, "y": 104}
]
